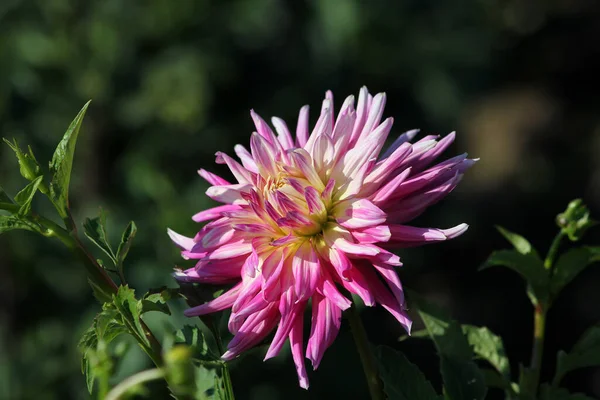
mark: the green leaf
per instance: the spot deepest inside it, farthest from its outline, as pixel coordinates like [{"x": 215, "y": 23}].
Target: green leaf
[
  {"x": 62, "y": 162},
  {"x": 195, "y": 338},
  {"x": 125, "y": 245},
  {"x": 11, "y": 222},
  {"x": 489, "y": 347},
  {"x": 25, "y": 196},
  {"x": 95, "y": 230},
  {"x": 495, "y": 380},
  {"x": 585, "y": 353},
  {"x": 519, "y": 242},
  {"x": 549, "y": 393},
  {"x": 462, "y": 378},
  {"x": 529, "y": 266},
  {"x": 95, "y": 361},
  {"x": 156, "y": 300},
  {"x": 570, "y": 264},
  {"x": 401, "y": 379},
  {"x": 128, "y": 307},
  {"x": 28, "y": 165}
]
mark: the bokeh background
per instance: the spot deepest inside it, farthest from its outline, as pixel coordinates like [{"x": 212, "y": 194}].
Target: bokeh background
[{"x": 172, "y": 82}]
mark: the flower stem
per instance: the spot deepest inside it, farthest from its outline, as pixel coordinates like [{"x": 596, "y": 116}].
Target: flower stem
[
  {"x": 145, "y": 376},
  {"x": 366, "y": 356},
  {"x": 539, "y": 325}
]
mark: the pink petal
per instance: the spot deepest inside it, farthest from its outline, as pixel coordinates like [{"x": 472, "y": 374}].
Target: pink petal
[
  {"x": 284, "y": 135},
  {"x": 214, "y": 212},
  {"x": 298, "y": 352},
  {"x": 213, "y": 179},
  {"x": 184, "y": 242},
  {"x": 230, "y": 194},
  {"x": 359, "y": 213},
  {"x": 222, "y": 302},
  {"x": 246, "y": 158},
  {"x": 306, "y": 270},
  {"x": 302, "y": 129}
]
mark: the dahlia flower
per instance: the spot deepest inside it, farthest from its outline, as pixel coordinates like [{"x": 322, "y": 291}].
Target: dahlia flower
[{"x": 313, "y": 218}]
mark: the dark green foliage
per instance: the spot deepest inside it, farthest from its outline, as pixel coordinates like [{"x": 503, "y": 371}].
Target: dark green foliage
[{"x": 402, "y": 380}]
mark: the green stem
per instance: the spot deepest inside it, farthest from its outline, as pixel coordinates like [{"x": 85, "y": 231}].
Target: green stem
[
  {"x": 145, "y": 376},
  {"x": 539, "y": 325},
  {"x": 213, "y": 327},
  {"x": 366, "y": 356},
  {"x": 549, "y": 261},
  {"x": 99, "y": 278}
]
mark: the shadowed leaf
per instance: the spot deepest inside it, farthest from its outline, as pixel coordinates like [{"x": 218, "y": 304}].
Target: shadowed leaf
[{"x": 401, "y": 379}]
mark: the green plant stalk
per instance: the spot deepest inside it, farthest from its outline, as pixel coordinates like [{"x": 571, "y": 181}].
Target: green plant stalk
[
  {"x": 539, "y": 325},
  {"x": 98, "y": 277},
  {"x": 366, "y": 356},
  {"x": 210, "y": 323},
  {"x": 145, "y": 376}
]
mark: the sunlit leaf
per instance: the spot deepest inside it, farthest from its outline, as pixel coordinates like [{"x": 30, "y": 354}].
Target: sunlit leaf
[
  {"x": 521, "y": 244},
  {"x": 127, "y": 305},
  {"x": 28, "y": 165},
  {"x": 62, "y": 162},
  {"x": 489, "y": 347},
  {"x": 25, "y": 196},
  {"x": 570, "y": 264},
  {"x": 10, "y": 222},
  {"x": 95, "y": 230},
  {"x": 156, "y": 300},
  {"x": 401, "y": 379},
  {"x": 125, "y": 245}
]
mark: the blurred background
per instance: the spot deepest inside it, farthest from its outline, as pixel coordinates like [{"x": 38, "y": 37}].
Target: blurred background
[{"x": 172, "y": 82}]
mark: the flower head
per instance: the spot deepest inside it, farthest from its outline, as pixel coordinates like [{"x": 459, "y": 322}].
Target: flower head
[{"x": 312, "y": 218}]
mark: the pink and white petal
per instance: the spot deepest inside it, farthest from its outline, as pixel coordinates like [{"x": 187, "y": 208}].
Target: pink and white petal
[
  {"x": 246, "y": 158},
  {"x": 183, "y": 242},
  {"x": 393, "y": 281},
  {"x": 406, "y": 137},
  {"x": 231, "y": 250},
  {"x": 306, "y": 270},
  {"x": 213, "y": 179},
  {"x": 214, "y": 212},
  {"x": 302, "y": 128},
  {"x": 358, "y": 213},
  {"x": 264, "y": 155},
  {"x": 296, "y": 343},
  {"x": 239, "y": 172},
  {"x": 229, "y": 194},
  {"x": 389, "y": 190},
  {"x": 283, "y": 133},
  {"x": 222, "y": 302},
  {"x": 373, "y": 234}
]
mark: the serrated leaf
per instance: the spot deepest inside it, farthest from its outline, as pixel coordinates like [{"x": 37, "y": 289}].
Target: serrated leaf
[
  {"x": 126, "y": 240},
  {"x": 156, "y": 300},
  {"x": 401, "y": 379},
  {"x": 529, "y": 266},
  {"x": 521, "y": 244},
  {"x": 585, "y": 353},
  {"x": 549, "y": 393},
  {"x": 25, "y": 196},
  {"x": 462, "y": 378},
  {"x": 489, "y": 347},
  {"x": 62, "y": 163},
  {"x": 195, "y": 339},
  {"x": 11, "y": 222},
  {"x": 95, "y": 230},
  {"x": 570, "y": 264},
  {"x": 127, "y": 305},
  {"x": 94, "y": 341}
]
